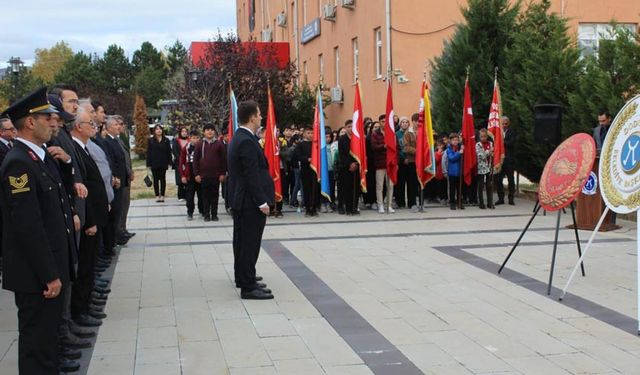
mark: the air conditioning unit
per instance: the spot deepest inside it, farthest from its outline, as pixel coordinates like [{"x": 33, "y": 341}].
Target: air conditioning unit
[
  {"x": 336, "y": 95},
  {"x": 267, "y": 35},
  {"x": 281, "y": 20},
  {"x": 329, "y": 12},
  {"x": 348, "y": 3}
]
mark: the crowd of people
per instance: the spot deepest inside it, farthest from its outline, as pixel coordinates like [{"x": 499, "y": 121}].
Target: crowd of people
[
  {"x": 200, "y": 164},
  {"x": 65, "y": 192}
]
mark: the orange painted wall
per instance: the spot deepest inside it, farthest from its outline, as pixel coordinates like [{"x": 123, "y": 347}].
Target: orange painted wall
[{"x": 420, "y": 28}]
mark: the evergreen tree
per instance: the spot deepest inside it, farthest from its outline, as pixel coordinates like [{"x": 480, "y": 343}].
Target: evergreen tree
[
  {"x": 149, "y": 83},
  {"x": 542, "y": 66},
  {"x": 147, "y": 57},
  {"x": 142, "y": 127},
  {"x": 611, "y": 78},
  {"x": 479, "y": 44},
  {"x": 80, "y": 71},
  {"x": 114, "y": 71},
  {"x": 176, "y": 56}
]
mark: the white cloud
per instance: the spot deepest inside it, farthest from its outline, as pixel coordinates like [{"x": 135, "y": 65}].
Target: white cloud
[{"x": 92, "y": 26}]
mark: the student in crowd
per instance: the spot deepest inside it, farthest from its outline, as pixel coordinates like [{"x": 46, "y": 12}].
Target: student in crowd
[
  {"x": 185, "y": 167},
  {"x": 440, "y": 179},
  {"x": 178, "y": 144},
  {"x": 310, "y": 188},
  {"x": 400, "y": 189},
  {"x": 484, "y": 151},
  {"x": 159, "y": 159},
  {"x": 349, "y": 173},
  {"x": 454, "y": 154},
  {"x": 369, "y": 198},
  {"x": 410, "y": 162},
  {"x": 380, "y": 165},
  {"x": 210, "y": 169}
]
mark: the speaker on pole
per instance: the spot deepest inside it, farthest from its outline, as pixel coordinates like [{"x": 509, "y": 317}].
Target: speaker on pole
[{"x": 547, "y": 123}]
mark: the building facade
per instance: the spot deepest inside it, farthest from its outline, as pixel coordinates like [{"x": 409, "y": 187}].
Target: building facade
[{"x": 341, "y": 39}]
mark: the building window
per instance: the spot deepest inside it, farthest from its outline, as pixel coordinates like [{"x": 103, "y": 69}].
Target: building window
[
  {"x": 336, "y": 56},
  {"x": 590, "y": 35},
  {"x": 378, "y": 52},
  {"x": 321, "y": 65},
  {"x": 354, "y": 46},
  {"x": 305, "y": 72}
]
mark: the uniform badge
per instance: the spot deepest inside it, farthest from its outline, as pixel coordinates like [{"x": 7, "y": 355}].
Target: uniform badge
[
  {"x": 620, "y": 160},
  {"x": 33, "y": 156},
  {"x": 19, "y": 184}
]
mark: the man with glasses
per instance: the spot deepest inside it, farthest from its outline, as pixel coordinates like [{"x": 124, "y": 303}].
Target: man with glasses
[{"x": 39, "y": 235}]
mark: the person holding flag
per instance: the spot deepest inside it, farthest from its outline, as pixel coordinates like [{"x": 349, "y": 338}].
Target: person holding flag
[
  {"x": 425, "y": 155},
  {"x": 358, "y": 140},
  {"x": 349, "y": 173},
  {"x": 302, "y": 154},
  {"x": 319, "y": 160},
  {"x": 469, "y": 162},
  {"x": 272, "y": 153}
]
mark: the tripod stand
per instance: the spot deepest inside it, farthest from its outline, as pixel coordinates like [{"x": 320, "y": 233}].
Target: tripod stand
[{"x": 555, "y": 242}]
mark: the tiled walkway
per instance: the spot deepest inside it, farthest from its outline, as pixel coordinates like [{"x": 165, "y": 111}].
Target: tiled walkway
[{"x": 376, "y": 294}]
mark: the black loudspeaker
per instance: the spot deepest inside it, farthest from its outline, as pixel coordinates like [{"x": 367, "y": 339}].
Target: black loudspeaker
[{"x": 547, "y": 123}]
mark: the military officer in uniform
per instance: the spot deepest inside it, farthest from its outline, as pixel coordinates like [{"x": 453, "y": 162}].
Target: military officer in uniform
[{"x": 38, "y": 237}]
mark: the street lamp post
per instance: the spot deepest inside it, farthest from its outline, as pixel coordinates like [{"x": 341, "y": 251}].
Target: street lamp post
[{"x": 15, "y": 65}]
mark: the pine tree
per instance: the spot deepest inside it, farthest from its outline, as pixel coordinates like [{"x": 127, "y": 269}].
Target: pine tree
[
  {"x": 542, "y": 66},
  {"x": 142, "y": 127},
  {"x": 479, "y": 44},
  {"x": 114, "y": 70}
]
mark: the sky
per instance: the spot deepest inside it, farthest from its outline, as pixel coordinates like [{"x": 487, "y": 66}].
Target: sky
[{"x": 91, "y": 26}]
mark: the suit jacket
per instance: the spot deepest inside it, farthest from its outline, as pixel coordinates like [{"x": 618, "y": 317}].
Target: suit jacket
[
  {"x": 118, "y": 160},
  {"x": 250, "y": 184},
  {"x": 4, "y": 149},
  {"x": 97, "y": 204},
  {"x": 597, "y": 131},
  {"x": 510, "y": 137},
  {"x": 39, "y": 236}
]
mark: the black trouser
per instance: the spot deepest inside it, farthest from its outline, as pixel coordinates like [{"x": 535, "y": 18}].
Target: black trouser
[
  {"x": 310, "y": 189},
  {"x": 284, "y": 184},
  {"x": 182, "y": 188},
  {"x": 193, "y": 190},
  {"x": 400, "y": 189},
  {"x": 38, "y": 320},
  {"x": 210, "y": 187},
  {"x": 441, "y": 188},
  {"x": 248, "y": 226},
  {"x": 350, "y": 185},
  {"x": 112, "y": 229},
  {"x": 485, "y": 180},
  {"x": 84, "y": 283},
  {"x": 506, "y": 171},
  {"x": 159, "y": 181},
  {"x": 412, "y": 184},
  {"x": 224, "y": 195},
  {"x": 332, "y": 189},
  {"x": 454, "y": 190},
  {"x": 370, "y": 196}
]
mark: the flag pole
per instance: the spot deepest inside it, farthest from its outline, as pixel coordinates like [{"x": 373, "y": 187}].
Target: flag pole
[
  {"x": 314, "y": 189},
  {"x": 495, "y": 80},
  {"x": 462, "y": 156},
  {"x": 355, "y": 179},
  {"x": 387, "y": 178},
  {"x": 424, "y": 124}
]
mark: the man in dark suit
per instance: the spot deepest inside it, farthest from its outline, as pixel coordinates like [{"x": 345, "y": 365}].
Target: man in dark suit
[
  {"x": 600, "y": 131},
  {"x": 509, "y": 164},
  {"x": 119, "y": 169},
  {"x": 96, "y": 217},
  {"x": 39, "y": 235},
  {"x": 250, "y": 193}
]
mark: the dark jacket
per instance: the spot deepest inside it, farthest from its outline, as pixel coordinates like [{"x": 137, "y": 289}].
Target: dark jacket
[
  {"x": 159, "y": 154},
  {"x": 510, "y": 138},
  {"x": 209, "y": 159},
  {"x": 4, "y": 149},
  {"x": 379, "y": 151},
  {"x": 118, "y": 161},
  {"x": 97, "y": 203},
  {"x": 249, "y": 185},
  {"x": 301, "y": 154},
  {"x": 344, "y": 152},
  {"x": 38, "y": 241}
]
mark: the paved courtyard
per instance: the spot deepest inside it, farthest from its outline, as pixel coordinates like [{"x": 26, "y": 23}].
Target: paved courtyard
[{"x": 375, "y": 294}]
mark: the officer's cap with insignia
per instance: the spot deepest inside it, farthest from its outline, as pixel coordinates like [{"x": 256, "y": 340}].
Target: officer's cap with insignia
[{"x": 32, "y": 104}]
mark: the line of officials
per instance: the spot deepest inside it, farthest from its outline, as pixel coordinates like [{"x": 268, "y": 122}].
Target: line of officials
[{"x": 64, "y": 198}]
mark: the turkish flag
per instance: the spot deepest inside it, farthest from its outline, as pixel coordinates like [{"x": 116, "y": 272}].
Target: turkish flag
[
  {"x": 390, "y": 138},
  {"x": 358, "y": 141},
  {"x": 272, "y": 147},
  {"x": 468, "y": 137}
]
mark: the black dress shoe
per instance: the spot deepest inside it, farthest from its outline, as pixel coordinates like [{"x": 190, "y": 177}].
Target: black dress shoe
[
  {"x": 96, "y": 295},
  {"x": 207, "y": 219},
  {"x": 68, "y": 366},
  {"x": 122, "y": 241},
  {"x": 256, "y": 294},
  {"x": 82, "y": 332},
  {"x": 72, "y": 341},
  {"x": 130, "y": 234},
  {"x": 87, "y": 321},
  {"x": 259, "y": 278},
  {"x": 69, "y": 353},
  {"x": 97, "y": 308},
  {"x": 261, "y": 285},
  {"x": 499, "y": 202},
  {"x": 97, "y": 314},
  {"x": 102, "y": 280},
  {"x": 266, "y": 290},
  {"x": 103, "y": 263},
  {"x": 101, "y": 290},
  {"x": 215, "y": 218},
  {"x": 101, "y": 284},
  {"x": 98, "y": 302}
]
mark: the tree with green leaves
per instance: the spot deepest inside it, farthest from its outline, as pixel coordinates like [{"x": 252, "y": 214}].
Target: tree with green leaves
[
  {"x": 479, "y": 44},
  {"x": 79, "y": 70},
  {"x": 176, "y": 56},
  {"x": 114, "y": 71},
  {"x": 49, "y": 61},
  {"x": 149, "y": 83},
  {"x": 15, "y": 86},
  {"x": 147, "y": 57},
  {"x": 542, "y": 66},
  {"x": 611, "y": 77}
]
